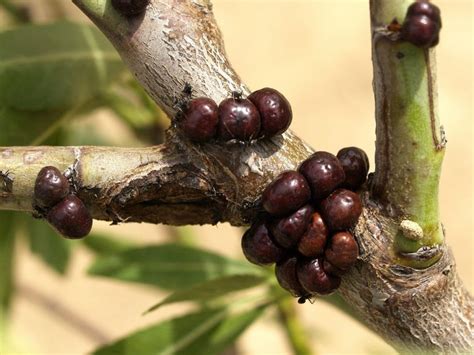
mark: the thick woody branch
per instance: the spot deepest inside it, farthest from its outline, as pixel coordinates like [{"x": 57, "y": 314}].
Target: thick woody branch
[
  {"x": 173, "y": 43},
  {"x": 416, "y": 311},
  {"x": 179, "y": 182},
  {"x": 176, "y": 183}
]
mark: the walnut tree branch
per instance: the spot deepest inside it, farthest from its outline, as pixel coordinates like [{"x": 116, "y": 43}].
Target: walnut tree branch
[
  {"x": 174, "y": 43},
  {"x": 410, "y": 142},
  {"x": 176, "y": 183},
  {"x": 182, "y": 183}
]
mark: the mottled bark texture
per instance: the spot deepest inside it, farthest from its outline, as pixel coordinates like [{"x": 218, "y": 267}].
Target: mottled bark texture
[
  {"x": 176, "y": 183},
  {"x": 176, "y": 42},
  {"x": 410, "y": 140}
]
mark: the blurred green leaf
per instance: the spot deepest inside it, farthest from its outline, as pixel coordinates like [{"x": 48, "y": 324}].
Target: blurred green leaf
[
  {"x": 86, "y": 132},
  {"x": 212, "y": 289},
  {"x": 19, "y": 14},
  {"x": 147, "y": 101},
  {"x": 59, "y": 127},
  {"x": 47, "y": 244},
  {"x": 183, "y": 235},
  {"x": 106, "y": 245},
  {"x": 7, "y": 249},
  {"x": 55, "y": 66},
  {"x": 42, "y": 125},
  {"x": 223, "y": 335},
  {"x": 169, "y": 266},
  {"x": 205, "y": 332},
  {"x": 131, "y": 113},
  {"x": 13, "y": 123},
  {"x": 133, "y": 107}
]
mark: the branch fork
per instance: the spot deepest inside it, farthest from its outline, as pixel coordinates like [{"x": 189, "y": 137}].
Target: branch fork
[{"x": 399, "y": 234}]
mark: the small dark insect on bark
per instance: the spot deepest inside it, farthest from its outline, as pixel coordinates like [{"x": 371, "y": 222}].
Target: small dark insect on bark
[
  {"x": 6, "y": 181},
  {"x": 308, "y": 297},
  {"x": 237, "y": 95},
  {"x": 181, "y": 103},
  {"x": 394, "y": 26},
  {"x": 71, "y": 175},
  {"x": 188, "y": 89}
]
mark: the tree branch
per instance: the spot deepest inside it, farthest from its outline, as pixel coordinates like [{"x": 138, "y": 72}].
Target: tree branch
[
  {"x": 173, "y": 43},
  {"x": 175, "y": 183},
  {"x": 179, "y": 182},
  {"x": 410, "y": 144},
  {"x": 295, "y": 332}
]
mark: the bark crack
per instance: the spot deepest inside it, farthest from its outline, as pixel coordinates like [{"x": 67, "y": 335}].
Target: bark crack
[{"x": 181, "y": 183}]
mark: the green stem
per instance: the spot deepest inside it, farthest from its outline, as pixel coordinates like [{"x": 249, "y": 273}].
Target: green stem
[
  {"x": 410, "y": 142},
  {"x": 295, "y": 331},
  {"x": 103, "y": 12}
]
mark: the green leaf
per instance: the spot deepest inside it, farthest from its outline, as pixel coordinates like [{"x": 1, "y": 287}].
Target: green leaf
[
  {"x": 55, "y": 66},
  {"x": 43, "y": 126},
  {"x": 47, "y": 244},
  {"x": 184, "y": 235},
  {"x": 131, "y": 113},
  {"x": 164, "y": 335},
  {"x": 86, "y": 132},
  {"x": 18, "y": 13},
  {"x": 13, "y": 123},
  {"x": 169, "y": 266},
  {"x": 105, "y": 245},
  {"x": 223, "y": 335},
  {"x": 211, "y": 289},
  {"x": 205, "y": 332},
  {"x": 7, "y": 248}
]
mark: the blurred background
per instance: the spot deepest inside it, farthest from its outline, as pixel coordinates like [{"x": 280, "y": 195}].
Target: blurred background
[{"x": 318, "y": 54}]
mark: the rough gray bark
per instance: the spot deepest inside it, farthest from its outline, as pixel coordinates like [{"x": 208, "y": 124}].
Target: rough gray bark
[
  {"x": 413, "y": 310},
  {"x": 176, "y": 183},
  {"x": 182, "y": 183}
]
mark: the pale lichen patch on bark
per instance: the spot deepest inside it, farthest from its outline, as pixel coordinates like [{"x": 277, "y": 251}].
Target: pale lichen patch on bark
[{"x": 31, "y": 156}]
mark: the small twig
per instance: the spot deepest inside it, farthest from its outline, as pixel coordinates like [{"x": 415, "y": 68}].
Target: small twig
[
  {"x": 295, "y": 331},
  {"x": 68, "y": 316}
]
